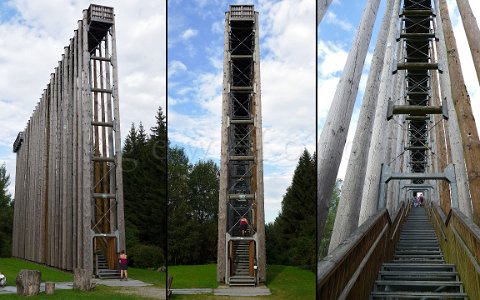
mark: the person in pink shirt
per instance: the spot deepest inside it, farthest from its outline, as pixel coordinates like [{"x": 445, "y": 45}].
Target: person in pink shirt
[{"x": 123, "y": 263}]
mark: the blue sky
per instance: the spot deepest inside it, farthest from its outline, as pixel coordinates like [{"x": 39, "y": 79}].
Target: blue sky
[
  {"x": 335, "y": 35},
  {"x": 32, "y": 36},
  {"x": 195, "y": 62}
]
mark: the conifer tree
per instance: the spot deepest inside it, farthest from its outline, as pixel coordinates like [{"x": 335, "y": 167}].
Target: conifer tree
[{"x": 6, "y": 214}]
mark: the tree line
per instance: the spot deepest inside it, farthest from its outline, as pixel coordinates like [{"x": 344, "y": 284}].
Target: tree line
[
  {"x": 192, "y": 209},
  {"x": 291, "y": 238},
  {"x": 6, "y": 214},
  {"x": 144, "y": 188}
]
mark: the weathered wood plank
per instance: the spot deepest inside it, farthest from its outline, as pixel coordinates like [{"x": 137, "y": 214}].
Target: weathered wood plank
[
  {"x": 322, "y": 6},
  {"x": 348, "y": 211},
  {"x": 376, "y": 155},
  {"x": 461, "y": 100},
  {"x": 334, "y": 134},
  {"x": 472, "y": 31}
]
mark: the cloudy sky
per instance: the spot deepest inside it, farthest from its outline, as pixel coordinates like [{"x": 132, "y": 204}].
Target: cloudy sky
[
  {"x": 195, "y": 63},
  {"x": 335, "y": 36},
  {"x": 32, "y": 36}
]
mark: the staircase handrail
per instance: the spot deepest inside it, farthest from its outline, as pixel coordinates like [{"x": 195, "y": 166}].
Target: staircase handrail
[
  {"x": 352, "y": 267},
  {"x": 460, "y": 244}
]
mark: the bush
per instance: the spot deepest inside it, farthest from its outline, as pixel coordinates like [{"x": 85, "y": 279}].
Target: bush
[{"x": 146, "y": 256}]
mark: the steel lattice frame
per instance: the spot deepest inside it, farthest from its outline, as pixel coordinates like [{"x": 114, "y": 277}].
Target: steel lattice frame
[{"x": 241, "y": 172}]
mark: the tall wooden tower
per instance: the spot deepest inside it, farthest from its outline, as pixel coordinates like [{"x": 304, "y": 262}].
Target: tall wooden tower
[
  {"x": 69, "y": 191},
  {"x": 241, "y": 255}
]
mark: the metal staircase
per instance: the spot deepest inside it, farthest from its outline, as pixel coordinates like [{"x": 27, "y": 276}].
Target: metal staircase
[
  {"x": 418, "y": 270},
  {"x": 103, "y": 272},
  {"x": 241, "y": 272}
]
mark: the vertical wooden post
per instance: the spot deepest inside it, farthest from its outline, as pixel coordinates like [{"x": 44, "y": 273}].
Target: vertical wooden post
[
  {"x": 70, "y": 165},
  {"x": 376, "y": 155},
  {"x": 118, "y": 143},
  {"x": 461, "y": 100},
  {"x": 394, "y": 147},
  {"x": 473, "y": 33},
  {"x": 441, "y": 149},
  {"x": 223, "y": 196},
  {"x": 86, "y": 156},
  {"x": 322, "y": 6},
  {"x": 259, "y": 194},
  {"x": 334, "y": 134},
  {"x": 346, "y": 220},
  {"x": 75, "y": 198},
  {"x": 80, "y": 149},
  {"x": 111, "y": 153}
]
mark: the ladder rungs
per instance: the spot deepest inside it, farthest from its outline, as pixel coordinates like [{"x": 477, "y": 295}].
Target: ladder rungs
[
  {"x": 104, "y": 124},
  {"x": 98, "y": 90},
  {"x": 100, "y": 58},
  {"x": 103, "y": 159},
  {"x": 417, "y": 66},
  {"x": 104, "y": 196},
  {"x": 417, "y": 12}
]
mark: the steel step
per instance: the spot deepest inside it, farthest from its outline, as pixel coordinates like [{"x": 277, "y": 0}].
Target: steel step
[{"x": 417, "y": 295}]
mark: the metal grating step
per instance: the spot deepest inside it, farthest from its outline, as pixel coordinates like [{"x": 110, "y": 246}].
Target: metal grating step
[
  {"x": 417, "y": 295},
  {"x": 418, "y": 270}
]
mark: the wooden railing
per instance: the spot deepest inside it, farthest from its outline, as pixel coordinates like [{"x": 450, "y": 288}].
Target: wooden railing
[
  {"x": 459, "y": 239},
  {"x": 350, "y": 271}
]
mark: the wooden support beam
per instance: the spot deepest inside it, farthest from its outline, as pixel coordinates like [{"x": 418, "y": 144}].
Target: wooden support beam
[
  {"x": 376, "y": 155},
  {"x": 348, "y": 211},
  {"x": 472, "y": 31},
  {"x": 412, "y": 66},
  {"x": 334, "y": 133},
  {"x": 455, "y": 139},
  {"x": 416, "y": 109},
  {"x": 322, "y": 6},
  {"x": 468, "y": 128}
]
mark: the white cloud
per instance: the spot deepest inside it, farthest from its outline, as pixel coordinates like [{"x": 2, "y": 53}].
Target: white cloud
[
  {"x": 32, "y": 44},
  {"x": 331, "y": 18},
  {"x": 331, "y": 57},
  {"x": 189, "y": 33},
  {"x": 176, "y": 67},
  {"x": 287, "y": 32}
]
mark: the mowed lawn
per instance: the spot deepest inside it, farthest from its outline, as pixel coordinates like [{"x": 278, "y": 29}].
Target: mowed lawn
[
  {"x": 285, "y": 282},
  {"x": 10, "y": 267}
]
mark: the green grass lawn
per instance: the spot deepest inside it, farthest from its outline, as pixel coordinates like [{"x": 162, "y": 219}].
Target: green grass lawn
[
  {"x": 158, "y": 279},
  {"x": 10, "y": 267},
  {"x": 197, "y": 276},
  {"x": 285, "y": 282}
]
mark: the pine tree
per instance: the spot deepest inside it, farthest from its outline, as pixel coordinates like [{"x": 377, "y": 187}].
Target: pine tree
[
  {"x": 6, "y": 214},
  {"x": 203, "y": 187},
  {"x": 145, "y": 187},
  {"x": 181, "y": 233},
  {"x": 294, "y": 229}
]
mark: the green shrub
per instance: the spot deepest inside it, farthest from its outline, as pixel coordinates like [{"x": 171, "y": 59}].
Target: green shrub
[{"x": 146, "y": 256}]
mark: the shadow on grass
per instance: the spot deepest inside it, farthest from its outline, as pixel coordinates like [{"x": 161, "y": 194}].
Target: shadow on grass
[{"x": 273, "y": 271}]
